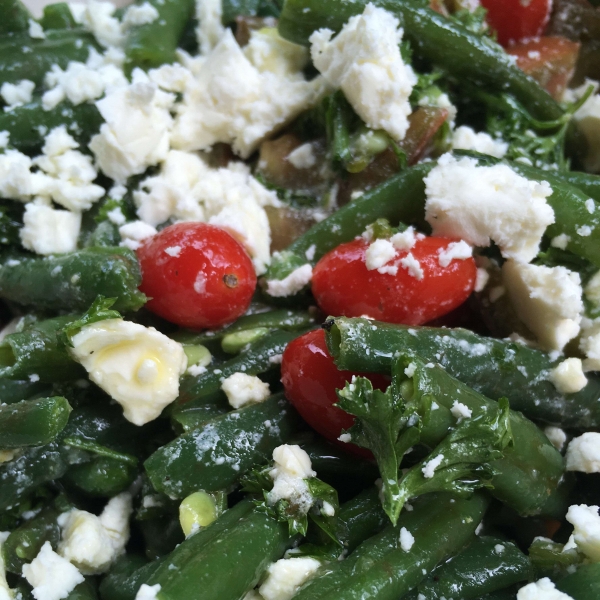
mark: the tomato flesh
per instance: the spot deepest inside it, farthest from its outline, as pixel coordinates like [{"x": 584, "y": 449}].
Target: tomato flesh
[
  {"x": 517, "y": 20},
  {"x": 310, "y": 379},
  {"x": 342, "y": 285},
  {"x": 197, "y": 275}
]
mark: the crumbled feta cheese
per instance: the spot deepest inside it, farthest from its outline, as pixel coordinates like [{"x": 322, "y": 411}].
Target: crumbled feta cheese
[
  {"x": 173, "y": 251},
  {"x": 568, "y": 377},
  {"x": 454, "y": 251},
  {"x": 51, "y": 576},
  {"x": 132, "y": 234},
  {"x": 210, "y": 27},
  {"x": 482, "y": 279},
  {"x": 17, "y": 94},
  {"x": 364, "y": 61},
  {"x": 405, "y": 240},
  {"x": 584, "y": 231},
  {"x": 413, "y": 266},
  {"x": 148, "y": 592},
  {"x": 556, "y": 436},
  {"x": 49, "y": 231},
  {"x": 543, "y": 589},
  {"x": 242, "y": 389},
  {"x": 291, "y": 467},
  {"x": 93, "y": 543},
  {"x": 137, "y": 366},
  {"x": 171, "y": 78},
  {"x": 285, "y": 577},
  {"x": 406, "y": 539},
  {"x": 410, "y": 370},
  {"x": 465, "y": 138},
  {"x": 590, "y": 205},
  {"x": 290, "y": 285},
  {"x": 116, "y": 216},
  {"x": 430, "y": 466},
  {"x": 440, "y": 101},
  {"x": 346, "y": 438},
  {"x": 460, "y": 411},
  {"x": 379, "y": 253},
  {"x": 586, "y": 535},
  {"x": 302, "y": 157},
  {"x": 587, "y": 118},
  {"x": 135, "y": 134},
  {"x": 589, "y": 344},
  {"x": 583, "y": 453},
  {"x": 235, "y": 101},
  {"x": 547, "y": 299},
  {"x": 139, "y": 14},
  {"x": 187, "y": 189},
  {"x": 4, "y": 138},
  {"x": 97, "y": 17},
  {"x": 35, "y": 30},
  {"x": 560, "y": 241},
  {"x": 592, "y": 289},
  {"x": 479, "y": 204}
]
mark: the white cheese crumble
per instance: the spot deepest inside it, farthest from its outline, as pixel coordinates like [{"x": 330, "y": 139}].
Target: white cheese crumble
[
  {"x": 49, "y": 231},
  {"x": 556, "y": 436},
  {"x": 590, "y": 205},
  {"x": 583, "y": 453},
  {"x": 547, "y": 299},
  {"x": 379, "y": 253},
  {"x": 210, "y": 28},
  {"x": 139, "y": 14},
  {"x": 240, "y": 96},
  {"x": 134, "y": 233},
  {"x": 51, "y": 576},
  {"x": 589, "y": 344},
  {"x": 35, "y": 30},
  {"x": 4, "y": 138},
  {"x": 93, "y": 543},
  {"x": 592, "y": 289},
  {"x": 291, "y": 467},
  {"x": 97, "y": 17},
  {"x": 481, "y": 279},
  {"x": 460, "y": 411},
  {"x": 454, "y": 251},
  {"x": 302, "y": 157},
  {"x": 465, "y": 138},
  {"x": 405, "y": 240},
  {"x": 345, "y": 438},
  {"x": 560, "y": 241},
  {"x": 290, "y": 285},
  {"x": 285, "y": 577},
  {"x": 17, "y": 94},
  {"x": 406, "y": 539},
  {"x": 568, "y": 377},
  {"x": 242, "y": 389},
  {"x": 413, "y": 266},
  {"x": 430, "y": 466},
  {"x": 137, "y": 366},
  {"x": 364, "y": 61},
  {"x": 148, "y": 592},
  {"x": 543, "y": 589},
  {"x": 187, "y": 189},
  {"x": 480, "y": 204},
  {"x": 586, "y": 534},
  {"x": 173, "y": 251}
]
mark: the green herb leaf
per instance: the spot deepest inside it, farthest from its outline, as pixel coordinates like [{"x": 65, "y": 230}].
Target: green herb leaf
[{"x": 98, "y": 311}]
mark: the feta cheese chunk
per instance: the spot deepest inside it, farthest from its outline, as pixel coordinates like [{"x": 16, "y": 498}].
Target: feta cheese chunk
[
  {"x": 51, "y": 576},
  {"x": 547, "y": 299},
  {"x": 460, "y": 411},
  {"x": 242, "y": 389},
  {"x": 285, "y": 577},
  {"x": 134, "y": 233},
  {"x": 583, "y": 453},
  {"x": 568, "y": 377},
  {"x": 543, "y": 589},
  {"x": 17, "y": 94},
  {"x": 302, "y": 157},
  {"x": 210, "y": 27},
  {"x": 290, "y": 285},
  {"x": 137, "y": 366},
  {"x": 455, "y": 251},
  {"x": 556, "y": 436},
  {"x": 291, "y": 467},
  {"x": 406, "y": 539},
  {"x": 379, "y": 253},
  {"x": 148, "y": 592},
  {"x": 589, "y": 344},
  {"x": 586, "y": 535},
  {"x": 364, "y": 61},
  {"x": 465, "y": 138},
  {"x": 430, "y": 466},
  {"x": 93, "y": 543},
  {"x": 49, "y": 231},
  {"x": 97, "y": 16},
  {"x": 480, "y": 204}
]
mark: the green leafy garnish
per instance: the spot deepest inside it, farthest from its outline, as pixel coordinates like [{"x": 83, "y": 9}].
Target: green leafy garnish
[{"x": 98, "y": 311}]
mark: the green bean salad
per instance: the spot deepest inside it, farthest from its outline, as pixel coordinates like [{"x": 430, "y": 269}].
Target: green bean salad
[{"x": 300, "y": 300}]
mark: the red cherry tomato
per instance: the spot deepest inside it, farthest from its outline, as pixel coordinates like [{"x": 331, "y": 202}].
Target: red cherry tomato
[
  {"x": 517, "y": 20},
  {"x": 197, "y": 275},
  {"x": 310, "y": 379},
  {"x": 342, "y": 285}
]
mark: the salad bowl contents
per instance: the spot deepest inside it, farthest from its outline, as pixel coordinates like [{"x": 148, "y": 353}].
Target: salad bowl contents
[{"x": 301, "y": 300}]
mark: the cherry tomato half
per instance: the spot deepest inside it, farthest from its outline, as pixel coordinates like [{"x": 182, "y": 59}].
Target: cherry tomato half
[
  {"x": 197, "y": 275},
  {"x": 517, "y": 20},
  {"x": 310, "y": 379},
  {"x": 342, "y": 285}
]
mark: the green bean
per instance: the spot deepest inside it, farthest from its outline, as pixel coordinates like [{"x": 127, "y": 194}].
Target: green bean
[
  {"x": 58, "y": 16},
  {"x": 101, "y": 477},
  {"x": 11, "y": 220},
  {"x": 37, "y": 353},
  {"x": 473, "y": 58},
  {"x": 28, "y": 124},
  {"x": 23, "y": 57},
  {"x": 487, "y": 565},
  {"x": 214, "y": 456},
  {"x": 380, "y": 568},
  {"x": 24, "y": 543},
  {"x": 495, "y": 368},
  {"x": 589, "y": 184},
  {"x": 154, "y": 44},
  {"x": 187, "y": 417},
  {"x": 71, "y": 282},
  {"x": 32, "y": 422},
  {"x": 15, "y": 17},
  {"x": 12, "y": 390},
  {"x": 83, "y": 591},
  {"x": 124, "y": 583},
  {"x": 584, "y": 584},
  {"x": 399, "y": 199},
  {"x": 161, "y": 535},
  {"x": 24, "y": 474}
]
